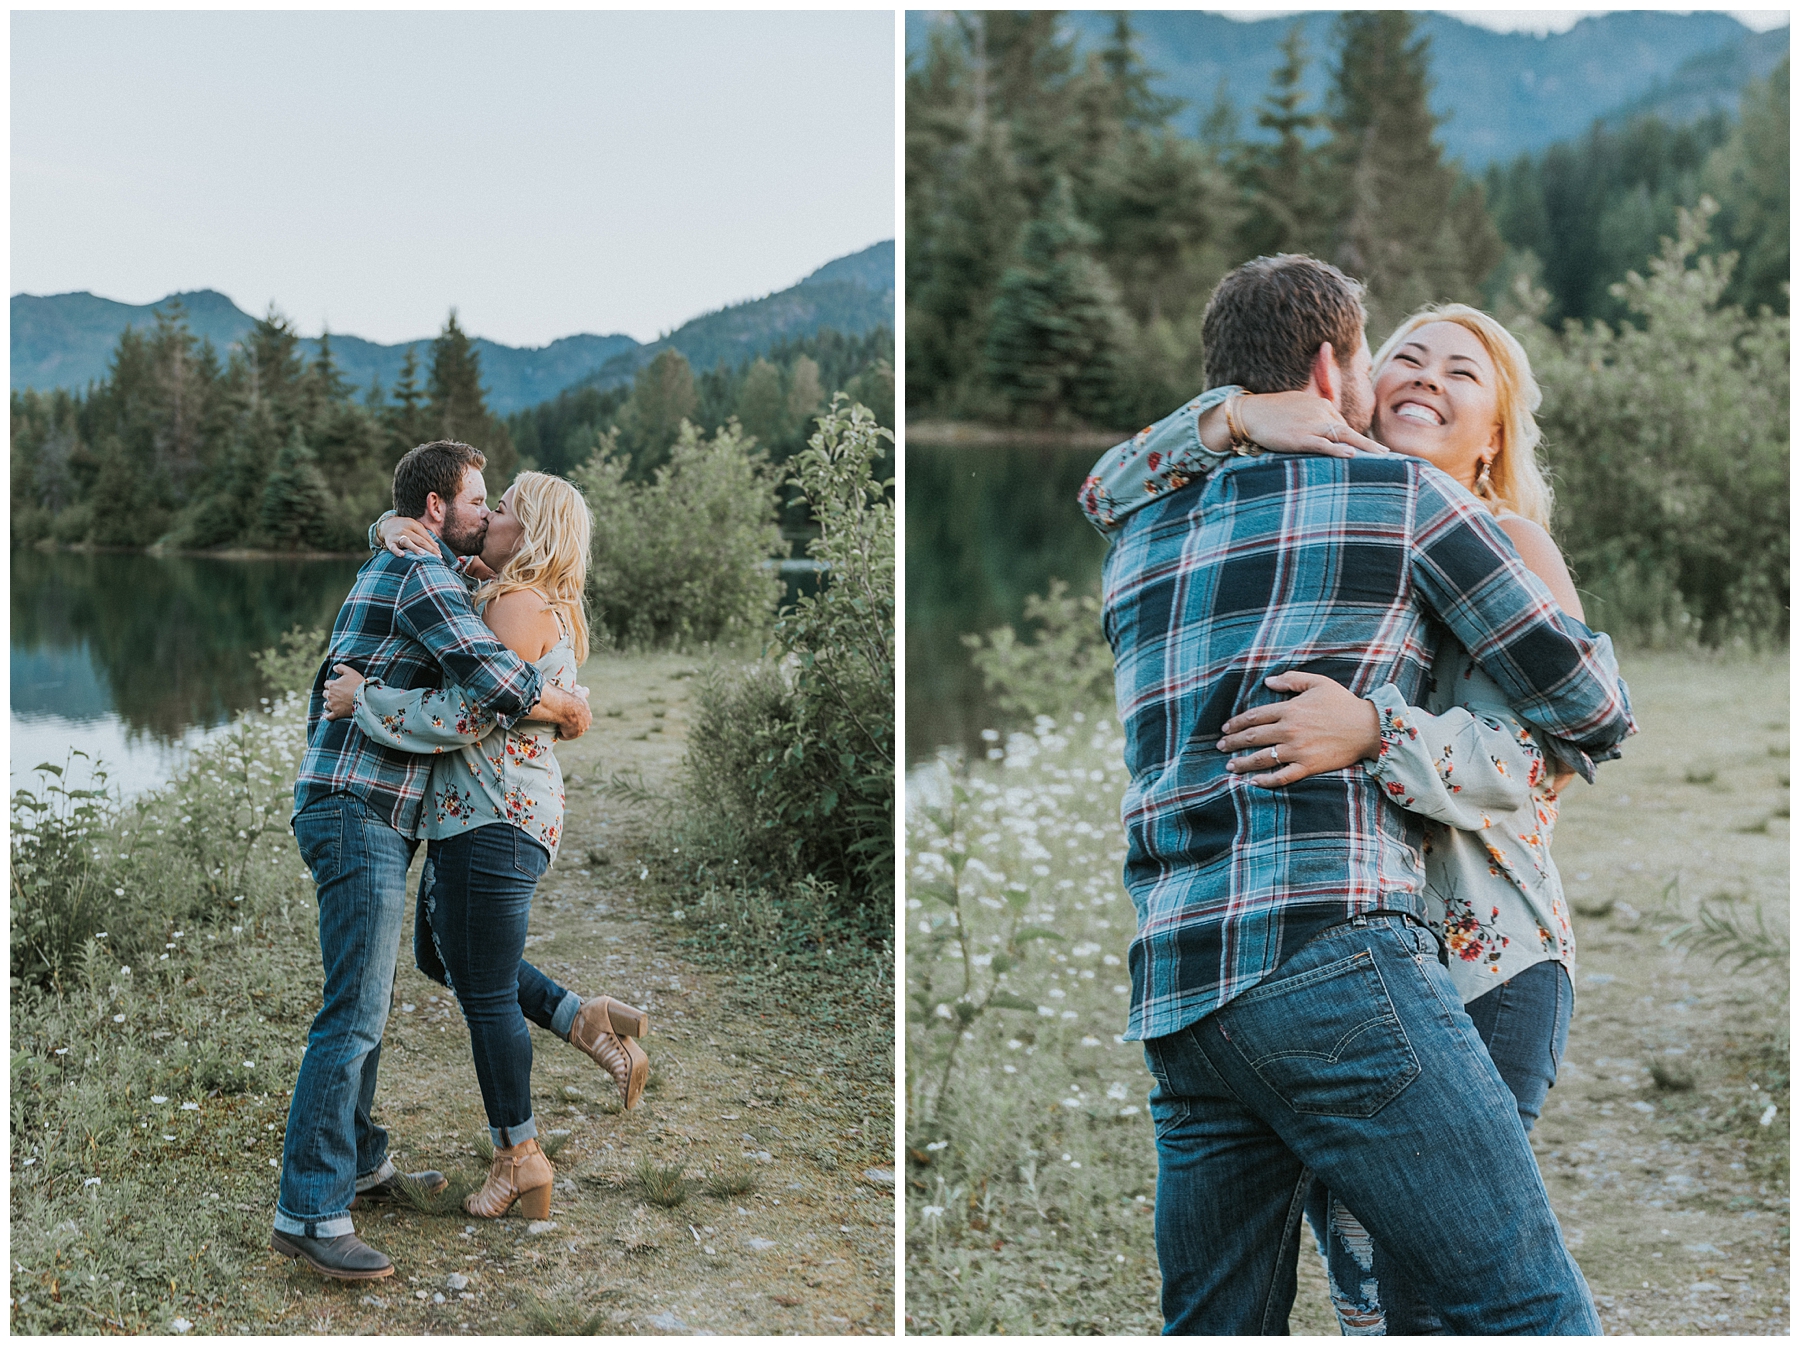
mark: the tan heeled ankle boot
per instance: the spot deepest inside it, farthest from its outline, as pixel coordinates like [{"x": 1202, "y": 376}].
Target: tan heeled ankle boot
[
  {"x": 608, "y": 1030},
  {"x": 520, "y": 1173}
]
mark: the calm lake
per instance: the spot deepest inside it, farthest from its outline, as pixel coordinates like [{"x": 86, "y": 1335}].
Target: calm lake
[
  {"x": 985, "y": 527},
  {"x": 134, "y": 659}
]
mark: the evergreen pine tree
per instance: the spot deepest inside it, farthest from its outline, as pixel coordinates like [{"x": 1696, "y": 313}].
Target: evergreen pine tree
[
  {"x": 1409, "y": 227},
  {"x": 1287, "y": 209},
  {"x": 296, "y": 504},
  {"x": 459, "y": 405},
  {"x": 1054, "y": 339}
]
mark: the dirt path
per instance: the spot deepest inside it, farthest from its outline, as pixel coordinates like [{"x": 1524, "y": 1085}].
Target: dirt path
[{"x": 740, "y": 1086}]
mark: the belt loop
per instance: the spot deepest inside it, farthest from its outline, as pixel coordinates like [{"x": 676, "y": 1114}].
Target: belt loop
[{"x": 1359, "y": 921}]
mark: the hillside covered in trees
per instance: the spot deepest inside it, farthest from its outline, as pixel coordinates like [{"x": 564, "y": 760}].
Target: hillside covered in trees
[
  {"x": 1063, "y": 235},
  {"x": 1065, "y": 223},
  {"x": 270, "y": 449}
]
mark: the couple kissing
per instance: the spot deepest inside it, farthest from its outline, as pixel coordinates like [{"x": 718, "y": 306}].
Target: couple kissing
[{"x": 434, "y": 716}]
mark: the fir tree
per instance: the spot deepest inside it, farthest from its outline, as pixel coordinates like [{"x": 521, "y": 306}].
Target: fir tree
[
  {"x": 1409, "y": 227},
  {"x": 1054, "y": 339},
  {"x": 459, "y": 404},
  {"x": 1287, "y": 208},
  {"x": 296, "y": 504},
  {"x": 1748, "y": 176}
]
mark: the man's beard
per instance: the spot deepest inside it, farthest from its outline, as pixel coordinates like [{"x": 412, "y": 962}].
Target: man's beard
[{"x": 460, "y": 540}]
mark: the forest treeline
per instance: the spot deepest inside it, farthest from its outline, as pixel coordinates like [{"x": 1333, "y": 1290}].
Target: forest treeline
[
  {"x": 1063, "y": 235},
  {"x": 267, "y": 449},
  {"x": 1065, "y": 223}
]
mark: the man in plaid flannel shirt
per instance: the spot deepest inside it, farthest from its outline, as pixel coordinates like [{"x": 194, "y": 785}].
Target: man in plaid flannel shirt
[
  {"x": 1290, "y": 999},
  {"x": 407, "y": 621}
]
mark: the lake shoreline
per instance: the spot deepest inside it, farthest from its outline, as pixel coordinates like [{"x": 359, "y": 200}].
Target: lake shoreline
[
  {"x": 978, "y": 434},
  {"x": 226, "y": 554}
]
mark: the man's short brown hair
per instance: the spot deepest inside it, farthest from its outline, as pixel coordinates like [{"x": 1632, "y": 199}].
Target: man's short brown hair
[
  {"x": 1266, "y": 321},
  {"x": 435, "y": 467}
]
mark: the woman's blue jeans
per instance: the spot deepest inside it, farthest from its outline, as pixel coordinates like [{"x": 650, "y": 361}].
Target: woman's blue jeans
[
  {"x": 1524, "y": 1023},
  {"x": 1355, "y": 1062},
  {"x": 474, "y": 908}
]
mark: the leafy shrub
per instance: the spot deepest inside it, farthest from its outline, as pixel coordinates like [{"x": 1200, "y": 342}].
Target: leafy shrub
[
  {"x": 683, "y": 559},
  {"x": 1067, "y": 667},
  {"x": 1669, "y": 447},
  {"x": 790, "y": 770},
  {"x": 204, "y": 846}
]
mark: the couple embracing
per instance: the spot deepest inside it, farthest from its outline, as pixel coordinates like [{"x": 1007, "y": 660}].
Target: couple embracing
[
  {"x": 1352, "y": 683},
  {"x": 434, "y": 716}
]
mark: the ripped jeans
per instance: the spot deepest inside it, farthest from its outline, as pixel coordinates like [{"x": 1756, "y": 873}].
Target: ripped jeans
[
  {"x": 469, "y": 935},
  {"x": 1524, "y": 1023},
  {"x": 1356, "y": 1062}
]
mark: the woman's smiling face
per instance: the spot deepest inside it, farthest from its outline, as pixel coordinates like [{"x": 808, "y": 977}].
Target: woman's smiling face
[{"x": 1436, "y": 398}]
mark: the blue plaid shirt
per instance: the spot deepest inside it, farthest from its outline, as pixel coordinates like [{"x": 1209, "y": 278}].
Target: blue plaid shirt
[
  {"x": 1350, "y": 568},
  {"x": 407, "y": 621}
]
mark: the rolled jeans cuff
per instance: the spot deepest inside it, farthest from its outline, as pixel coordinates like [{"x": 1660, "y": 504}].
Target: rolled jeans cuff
[
  {"x": 328, "y": 1228},
  {"x": 563, "y": 1020},
  {"x": 505, "y": 1137}
]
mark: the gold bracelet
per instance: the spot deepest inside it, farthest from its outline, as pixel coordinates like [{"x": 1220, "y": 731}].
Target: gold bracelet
[{"x": 1241, "y": 443}]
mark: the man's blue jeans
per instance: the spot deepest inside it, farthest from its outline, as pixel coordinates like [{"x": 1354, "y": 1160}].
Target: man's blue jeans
[
  {"x": 1524, "y": 1024},
  {"x": 359, "y": 864},
  {"x": 1354, "y": 1061}
]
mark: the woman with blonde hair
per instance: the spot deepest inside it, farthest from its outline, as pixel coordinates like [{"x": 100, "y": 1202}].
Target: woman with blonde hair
[
  {"x": 1451, "y": 386},
  {"x": 493, "y": 817}
]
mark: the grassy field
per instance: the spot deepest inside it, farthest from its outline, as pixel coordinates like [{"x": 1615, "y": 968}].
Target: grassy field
[
  {"x": 1031, "y": 1173},
  {"x": 148, "y": 1105}
]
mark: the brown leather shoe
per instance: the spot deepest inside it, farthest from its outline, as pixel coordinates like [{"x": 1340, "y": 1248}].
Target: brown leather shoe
[
  {"x": 608, "y": 1030},
  {"x": 519, "y": 1174}
]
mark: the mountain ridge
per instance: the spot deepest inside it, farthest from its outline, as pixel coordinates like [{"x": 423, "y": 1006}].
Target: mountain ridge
[
  {"x": 66, "y": 340},
  {"x": 1499, "y": 94}
]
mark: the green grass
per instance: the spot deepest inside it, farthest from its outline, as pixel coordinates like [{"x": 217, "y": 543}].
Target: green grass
[
  {"x": 158, "y": 1048},
  {"x": 664, "y": 1185},
  {"x": 1032, "y": 1166}
]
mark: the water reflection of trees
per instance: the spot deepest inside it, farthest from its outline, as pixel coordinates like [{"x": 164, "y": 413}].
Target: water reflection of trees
[
  {"x": 171, "y": 638},
  {"x": 984, "y": 528}
]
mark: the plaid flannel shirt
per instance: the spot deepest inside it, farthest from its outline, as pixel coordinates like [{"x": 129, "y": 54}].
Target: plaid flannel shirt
[
  {"x": 407, "y": 621},
  {"x": 1342, "y": 567}
]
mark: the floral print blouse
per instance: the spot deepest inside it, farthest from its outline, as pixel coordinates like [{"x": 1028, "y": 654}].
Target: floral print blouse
[
  {"x": 1474, "y": 772},
  {"x": 1465, "y": 763},
  {"x": 503, "y": 776}
]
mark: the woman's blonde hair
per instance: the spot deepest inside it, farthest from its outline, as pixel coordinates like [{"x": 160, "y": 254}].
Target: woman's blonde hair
[
  {"x": 1515, "y": 481},
  {"x": 552, "y": 560}
]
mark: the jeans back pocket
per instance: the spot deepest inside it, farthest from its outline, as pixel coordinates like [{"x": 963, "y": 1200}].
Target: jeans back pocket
[
  {"x": 319, "y": 834},
  {"x": 1327, "y": 1042}
]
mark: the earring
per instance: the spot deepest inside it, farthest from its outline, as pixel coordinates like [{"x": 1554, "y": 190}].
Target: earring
[{"x": 1484, "y": 481}]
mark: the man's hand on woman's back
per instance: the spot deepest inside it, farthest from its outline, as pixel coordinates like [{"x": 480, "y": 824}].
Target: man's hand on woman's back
[{"x": 568, "y": 711}]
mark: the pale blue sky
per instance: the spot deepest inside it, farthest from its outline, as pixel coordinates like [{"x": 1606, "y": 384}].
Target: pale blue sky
[{"x": 546, "y": 173}]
